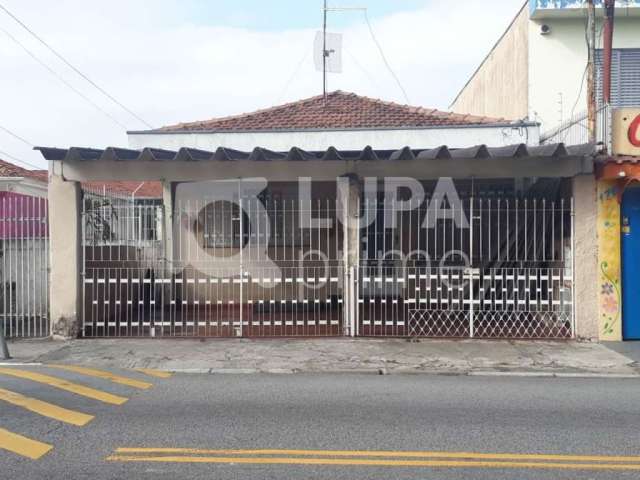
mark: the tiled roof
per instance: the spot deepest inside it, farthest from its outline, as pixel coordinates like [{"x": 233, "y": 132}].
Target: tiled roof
[
  {"x": 618, "y": 159},
  {"x": 8, "y": 169},
  {"x": 343, "y": 110},
  {"x": 141, "y": 189},
  {"x": 126, "y": 187}
]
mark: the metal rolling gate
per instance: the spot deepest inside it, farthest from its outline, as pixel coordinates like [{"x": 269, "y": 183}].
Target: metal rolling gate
[
  {"x": 252, "y": 267},
  {"x": 24, "y": 265}
]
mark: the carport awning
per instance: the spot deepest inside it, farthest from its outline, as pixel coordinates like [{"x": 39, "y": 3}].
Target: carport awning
[
  {"x": 186, "y": 164},
  {"x": 443, "y": 152}
]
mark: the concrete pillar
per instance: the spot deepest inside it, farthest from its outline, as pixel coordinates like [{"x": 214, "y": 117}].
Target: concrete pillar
[
  {"x": 65, "y": 256},
  {"x": 349, "y": 191},
  {"x": 586, "y": 257},
  {"x": 167, "y": 227}
]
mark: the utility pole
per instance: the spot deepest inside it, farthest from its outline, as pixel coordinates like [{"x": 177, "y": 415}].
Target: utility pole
[
  {"x": 324, "y": 53},
  {"x": 591, "y": 70},
  {"x": 609, "y": 11},
  {"x": 3, "y": 344}
]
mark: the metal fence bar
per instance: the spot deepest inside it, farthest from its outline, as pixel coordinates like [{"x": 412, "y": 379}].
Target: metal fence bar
[{"x": 575, "y": 131}]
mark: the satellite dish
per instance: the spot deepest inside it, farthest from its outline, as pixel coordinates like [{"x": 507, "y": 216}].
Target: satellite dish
[{"x": 333, "y": 52}]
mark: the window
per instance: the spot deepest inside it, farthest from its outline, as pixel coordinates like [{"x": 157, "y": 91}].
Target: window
[{"x": 625, "y": 76}]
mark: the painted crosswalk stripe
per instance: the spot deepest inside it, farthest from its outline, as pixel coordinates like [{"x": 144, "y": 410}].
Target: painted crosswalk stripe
[
  {"x": 93, "y": 372},
  {"x": 45, "y": 408},
  {"x": 22, "y": 445},
  {"x": 153, "y": 373},
  {"x": 66, "y": 385}
]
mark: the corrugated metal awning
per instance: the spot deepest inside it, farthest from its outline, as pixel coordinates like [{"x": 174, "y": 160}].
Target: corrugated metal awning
[{"x": 296, "y": 154}]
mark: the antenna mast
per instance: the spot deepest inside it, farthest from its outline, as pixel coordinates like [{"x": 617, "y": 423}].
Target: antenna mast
[{"x": 324, "y": 53}]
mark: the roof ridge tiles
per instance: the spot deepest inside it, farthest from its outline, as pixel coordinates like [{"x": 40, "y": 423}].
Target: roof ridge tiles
[{"x": 343, "y": 110}]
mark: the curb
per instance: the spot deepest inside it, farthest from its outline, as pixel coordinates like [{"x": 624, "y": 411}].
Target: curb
[
  {"x": 553, "y": 374},
  {"x": 383, "y": 371}
]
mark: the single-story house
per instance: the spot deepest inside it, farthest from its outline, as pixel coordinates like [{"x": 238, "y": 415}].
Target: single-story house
[{"x": 350, "y": 216}]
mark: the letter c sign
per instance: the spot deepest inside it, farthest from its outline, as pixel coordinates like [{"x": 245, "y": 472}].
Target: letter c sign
[{"x": 634, "y": 132}]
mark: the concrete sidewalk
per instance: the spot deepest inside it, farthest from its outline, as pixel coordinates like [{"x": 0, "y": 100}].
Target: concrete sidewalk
[{"x": 384, "y": 356}]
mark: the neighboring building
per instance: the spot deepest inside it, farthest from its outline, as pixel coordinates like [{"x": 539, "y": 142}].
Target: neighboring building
[
  {"x": 24, "y": 237},
  {"x": 276, "y": 223},
  {"x": 618, "y": 199},
  {"x": 536, "y": 70},
  {"x": 347, "y": 122}
]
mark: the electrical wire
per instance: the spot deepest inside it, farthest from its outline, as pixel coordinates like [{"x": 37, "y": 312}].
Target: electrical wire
[
  {"x": 59, "y": 77},
  {"x": 75, "y": 69},
  {"x": 15, "y": 135},
  {"x": 363, "y": 70},
  {"x": 16, "y": 159},
  {"x": 293, "y": 75},
  {"x": 384, "y": 58},
  {"x": 586, "y": 68}
]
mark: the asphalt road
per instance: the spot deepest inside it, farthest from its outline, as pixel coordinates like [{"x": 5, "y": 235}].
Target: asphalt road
[{"x": 323, "y": 426}]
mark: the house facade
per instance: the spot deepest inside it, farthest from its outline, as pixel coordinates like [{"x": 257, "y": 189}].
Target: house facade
[{"x": 353, "y": 231}]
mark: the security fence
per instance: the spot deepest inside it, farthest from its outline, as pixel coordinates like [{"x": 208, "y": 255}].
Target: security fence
[
  {"x": 499, "y": 264},
  {"x": 24, "y": 265}
]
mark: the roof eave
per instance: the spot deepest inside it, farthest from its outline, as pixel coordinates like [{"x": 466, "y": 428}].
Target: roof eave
[{"x": 346, "y": 129}]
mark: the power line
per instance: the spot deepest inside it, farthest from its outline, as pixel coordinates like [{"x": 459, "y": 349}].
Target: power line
[
  {"x": 59, "y": 77},
  {"x": 15, "y": 135},
  {"x": 293, "y": 75},
  {"x": 72, "y": 67},
  {"x": 363, "y": 70},
  {"x": 16, "y": 159},
  {"x": 384, "y": 59}
]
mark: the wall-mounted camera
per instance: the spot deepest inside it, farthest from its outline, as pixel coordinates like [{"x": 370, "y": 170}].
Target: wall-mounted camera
[{"x": 545, "y": 29}]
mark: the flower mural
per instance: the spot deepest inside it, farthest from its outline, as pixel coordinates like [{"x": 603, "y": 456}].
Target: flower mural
[{"x": 610, "y": 297}]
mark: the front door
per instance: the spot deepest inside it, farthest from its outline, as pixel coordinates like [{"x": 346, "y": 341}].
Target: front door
[{"x": 631, "y": 264}]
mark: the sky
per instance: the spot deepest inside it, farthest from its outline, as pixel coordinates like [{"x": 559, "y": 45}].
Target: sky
[{"x": 173, "y": 61}]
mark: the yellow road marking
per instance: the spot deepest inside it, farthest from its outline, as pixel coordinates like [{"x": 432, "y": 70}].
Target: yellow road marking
[
  {"x": 386, "y": 453},
  {"x": 375, "y": 462},
  {"x": 154, "y": 373},
  {"x": 22, "y": 445},
  {"x": 93, "y": 372},
  {"x": 44, "y": 408},
  {"x": 66, "y": 385}
]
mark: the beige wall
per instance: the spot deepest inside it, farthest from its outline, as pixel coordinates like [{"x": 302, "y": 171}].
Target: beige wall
[
  {"x": 64, "y": 241},
  {"x": 557, "y": 63},
  {"x": 586, "y": 257},
  {"x": 499, "y": 88}
]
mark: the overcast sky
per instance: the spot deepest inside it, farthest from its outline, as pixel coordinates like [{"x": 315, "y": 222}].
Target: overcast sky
[{"x": 182, "y": 60}]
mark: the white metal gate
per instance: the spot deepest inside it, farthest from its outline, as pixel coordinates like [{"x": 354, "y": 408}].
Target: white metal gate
[
  {"x": 216, "y": 272},
  {"x": 262, "y": 265},
  {"x": 24, "y": 265},
  {"x": 507, "y": 273}
]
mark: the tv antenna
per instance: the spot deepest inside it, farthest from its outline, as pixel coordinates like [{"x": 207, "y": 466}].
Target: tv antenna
[{"x": 328, "y": 49}]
